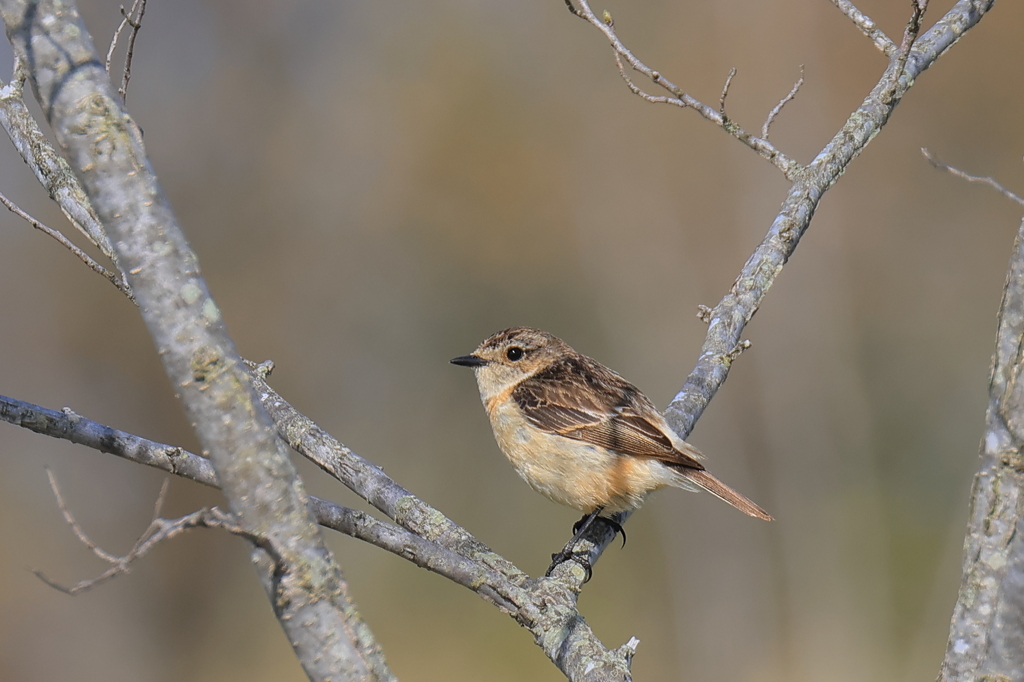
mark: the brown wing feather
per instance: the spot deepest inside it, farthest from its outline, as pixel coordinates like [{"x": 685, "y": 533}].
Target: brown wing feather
[{"x": 583, "y": 400}]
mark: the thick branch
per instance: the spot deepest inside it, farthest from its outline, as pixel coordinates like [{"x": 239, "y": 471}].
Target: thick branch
[
  {"x": 105, "y": 151},
  {"x": 986, "y": 635}
]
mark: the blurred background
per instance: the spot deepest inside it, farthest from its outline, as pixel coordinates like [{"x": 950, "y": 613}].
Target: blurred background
[{"x": 373, "y": 188}]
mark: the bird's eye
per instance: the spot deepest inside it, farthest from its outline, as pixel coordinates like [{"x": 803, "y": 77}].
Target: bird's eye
[{"x": 514, "y": 353}]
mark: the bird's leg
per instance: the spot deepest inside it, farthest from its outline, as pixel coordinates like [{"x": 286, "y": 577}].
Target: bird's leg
[
  {"x": 617, "y": 527},
  {"x": 579, "y": 528}
]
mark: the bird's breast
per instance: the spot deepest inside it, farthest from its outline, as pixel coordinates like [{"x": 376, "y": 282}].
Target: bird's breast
[{"x": 568, "y": 471}]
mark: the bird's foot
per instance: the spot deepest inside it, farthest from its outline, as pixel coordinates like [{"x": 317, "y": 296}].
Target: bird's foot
[
  {"x": 615, "y": 526},
  {"x": 567, "y": 555}
]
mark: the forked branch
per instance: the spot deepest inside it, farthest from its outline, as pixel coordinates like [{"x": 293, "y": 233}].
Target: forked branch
[
  {"x": 159, "y": 530},
  {"x": 133, "y": 18},
  {"x": 676, "y": 96}
]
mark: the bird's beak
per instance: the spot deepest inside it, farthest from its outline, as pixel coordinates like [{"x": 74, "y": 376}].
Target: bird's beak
[{"x": 469, "y": 361}]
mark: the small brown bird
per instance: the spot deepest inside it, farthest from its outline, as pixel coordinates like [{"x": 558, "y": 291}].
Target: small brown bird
[{"x": 580, "y": 434}]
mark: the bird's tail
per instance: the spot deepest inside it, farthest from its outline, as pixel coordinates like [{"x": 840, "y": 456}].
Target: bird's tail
[{"x": 704, "y": 480}]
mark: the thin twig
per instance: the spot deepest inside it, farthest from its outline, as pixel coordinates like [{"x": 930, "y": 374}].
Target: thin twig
[
  {"x": 158, "y": 530},
  {"x": 910, "y": 34},
  {"x": 972, "y": 178},
  {"x": 66, "y": 243},
  {"x": 867, "y": 27},
  {"x": 73, "y": 524},
  {"x": 789, "y": 167},
  {"x": 778, "y": 107},
  {"x": 736, "y": 351},
  {"x": 725, "y": 92},
  {"x": 113, "y": 41},
  {"x": 136, "y": 25},
  {"x": 126, "y": 20},
  {"x": 51, "y": 170}
]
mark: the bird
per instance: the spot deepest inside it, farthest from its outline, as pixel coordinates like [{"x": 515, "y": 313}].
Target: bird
[{"x": 580, "y": 434}]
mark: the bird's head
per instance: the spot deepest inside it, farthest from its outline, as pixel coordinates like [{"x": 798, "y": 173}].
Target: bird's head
[{"x": 508, "y": 357}]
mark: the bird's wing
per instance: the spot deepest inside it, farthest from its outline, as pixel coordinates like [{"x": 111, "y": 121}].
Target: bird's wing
[{"x": 588, "y": 402}]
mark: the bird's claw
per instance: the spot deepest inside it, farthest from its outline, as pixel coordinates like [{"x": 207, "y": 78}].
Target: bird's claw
[{"x": 567, "y": 555}]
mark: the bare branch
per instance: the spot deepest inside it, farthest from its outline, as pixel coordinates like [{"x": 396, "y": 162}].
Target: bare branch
[
  {"x": 778, "y": 107},
  {"x": 136, "y": 24},
  {"x": 113, "y": 41},
  {"x": 910, "y": 33},
  {"x": 790, "y": 168},
  {"x": 867, "y": 27},
  {"x": 50, "y": 168},
  {"x": 729, "y": 318},
  {"x": 159, "y": 530},
  {"x": 725, "y": 92},
  {"x": 67, "y": 425},
  {"x": 987, "y": 625},
  {"x": 70, "y": 520},
  {"x": 137, "y": 10},
  {"x": 972, "y": 178},
  {"x": 304, "y": 584},
  {"x": 369, "y": 481},
  {"x": 118, "y": 282}
]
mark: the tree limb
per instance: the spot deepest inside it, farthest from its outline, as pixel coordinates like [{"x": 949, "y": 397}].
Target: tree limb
[
  {"x": 68, "y": 425},
  {"x": 727, "y": 320},
  {"x": 105, "y": 151},
  {"x": 987, "y": 628},
  {"x": 547, "y": 605}
]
